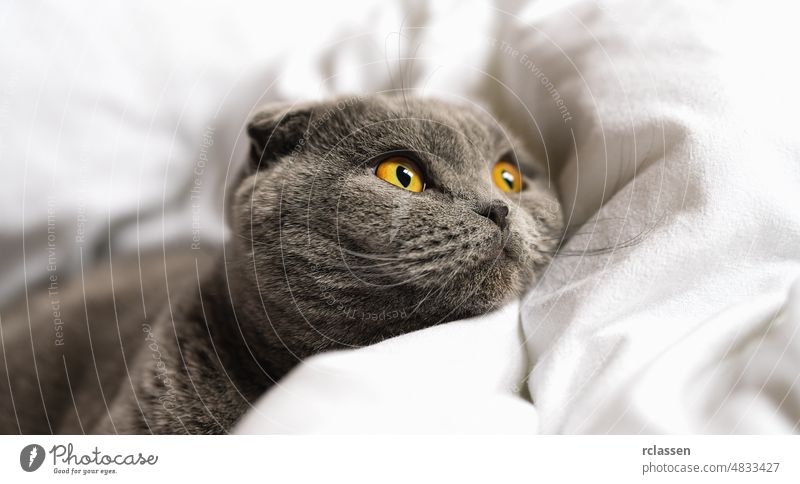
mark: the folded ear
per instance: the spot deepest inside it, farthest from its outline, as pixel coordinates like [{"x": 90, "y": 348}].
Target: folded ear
[{"x": 276, "y": 131}]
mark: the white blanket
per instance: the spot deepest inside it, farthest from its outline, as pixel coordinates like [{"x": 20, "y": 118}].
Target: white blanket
[{"x": 674, "y": 125}]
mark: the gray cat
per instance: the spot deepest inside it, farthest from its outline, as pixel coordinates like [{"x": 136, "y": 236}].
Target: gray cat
[{"x": 355, "y": 220}]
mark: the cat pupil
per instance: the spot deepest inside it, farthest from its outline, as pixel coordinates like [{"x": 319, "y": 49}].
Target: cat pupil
[
  {"x": 403, "y": 176},
  {"x": 509, "y": 179}
]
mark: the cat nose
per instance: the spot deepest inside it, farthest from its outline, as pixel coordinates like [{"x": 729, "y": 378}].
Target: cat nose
[{"x": 496, "y": 211}]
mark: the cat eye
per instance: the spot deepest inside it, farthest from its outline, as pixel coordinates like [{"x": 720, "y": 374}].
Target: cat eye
[
  {"x": 507, "y": 177},
  {"x": 401, "y": 172}
]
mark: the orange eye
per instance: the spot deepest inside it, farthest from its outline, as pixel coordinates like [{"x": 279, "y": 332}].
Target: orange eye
[
  {"x": 401, "y": 172},
  {"x": 507, "y": 177}
]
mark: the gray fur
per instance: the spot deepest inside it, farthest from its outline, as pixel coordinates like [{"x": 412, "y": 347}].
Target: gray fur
[{"x": 324, "y": 255}]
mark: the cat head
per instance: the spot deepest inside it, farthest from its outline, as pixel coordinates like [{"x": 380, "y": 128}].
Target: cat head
[{"x": 363, "y": 218}]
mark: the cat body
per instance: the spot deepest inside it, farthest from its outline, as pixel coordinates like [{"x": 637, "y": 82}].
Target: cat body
[{"x": 354, "y": 220}]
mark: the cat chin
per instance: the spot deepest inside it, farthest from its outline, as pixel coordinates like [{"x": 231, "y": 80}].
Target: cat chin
[
  {"x": 478, "y": 305},
  {"x": 490, "y": 285}
]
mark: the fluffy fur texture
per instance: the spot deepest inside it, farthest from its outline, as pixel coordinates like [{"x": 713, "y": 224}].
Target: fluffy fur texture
[{"x": 325, "y": 255}]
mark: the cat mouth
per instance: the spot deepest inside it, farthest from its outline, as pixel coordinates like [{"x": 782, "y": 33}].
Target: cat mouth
[
  {"x": 510, "y": 246},
  {"x": 501, "y": 248}
]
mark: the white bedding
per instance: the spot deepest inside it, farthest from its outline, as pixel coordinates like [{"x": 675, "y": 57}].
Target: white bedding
[{"x": 677, "y": 119}]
